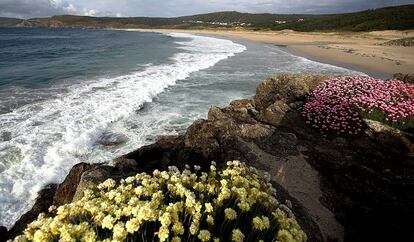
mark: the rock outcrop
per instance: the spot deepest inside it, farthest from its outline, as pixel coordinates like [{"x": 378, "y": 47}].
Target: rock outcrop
[
  {"x": 340, "y": 188},
  {"x": 407, "y": 78}
]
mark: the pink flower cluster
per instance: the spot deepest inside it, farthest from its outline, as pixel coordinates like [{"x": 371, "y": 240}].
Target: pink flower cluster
[{"x": 340, "y": 104}]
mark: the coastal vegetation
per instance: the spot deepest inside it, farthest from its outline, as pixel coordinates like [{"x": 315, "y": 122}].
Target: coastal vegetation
[
  {"x": 389, "y": 18},
  {"x": 340, "y": 105},
  {"x": 235, "y": 204},
  {"x": 406, "y": 42},
  {"x": 8, "y": 22}
]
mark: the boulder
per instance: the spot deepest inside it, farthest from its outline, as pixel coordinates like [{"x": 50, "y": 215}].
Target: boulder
[
  {"x": 203, "y": 137},
  {"x": 275, "y": 113},
  {"x": 241, "y": 103},
  {"x": 91, "y": 178},
  {"x": 391, "y": 139},
  {"x": 287, "y": 88},
  {"x": 407, "y": 78},
  {"x": 67, "y": 189}
]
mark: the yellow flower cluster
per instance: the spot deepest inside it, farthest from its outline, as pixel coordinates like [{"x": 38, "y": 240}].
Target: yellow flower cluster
[
  {"x": 235, "y": 204},
  {"x": 261, "y": 223}
]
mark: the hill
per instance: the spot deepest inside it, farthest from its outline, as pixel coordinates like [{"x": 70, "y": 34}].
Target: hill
[
  {"x": 395, "y": 18},
  {"x": 390, "y": 18},
  {"x": 9, "y": 22}
]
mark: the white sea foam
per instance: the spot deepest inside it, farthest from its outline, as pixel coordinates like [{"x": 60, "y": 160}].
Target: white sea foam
[{"x": 42, "y": 141}]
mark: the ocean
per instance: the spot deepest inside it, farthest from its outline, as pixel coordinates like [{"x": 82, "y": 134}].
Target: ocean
[{"x": 79, "y": 95}]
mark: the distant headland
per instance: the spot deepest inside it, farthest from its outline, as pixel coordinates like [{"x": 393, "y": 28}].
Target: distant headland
[{"x": 388, "y": 18}]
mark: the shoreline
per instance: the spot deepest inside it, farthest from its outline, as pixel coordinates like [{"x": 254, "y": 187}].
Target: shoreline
[
  {"x": 325, "y": 60},
  {"x": 355, "y": 51}
]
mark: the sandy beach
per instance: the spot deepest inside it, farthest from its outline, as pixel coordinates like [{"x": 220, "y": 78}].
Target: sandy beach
[{"x": 358, "y": 51}]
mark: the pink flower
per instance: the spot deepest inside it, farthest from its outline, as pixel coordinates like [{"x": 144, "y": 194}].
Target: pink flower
[{"x": 340, "y": 104}]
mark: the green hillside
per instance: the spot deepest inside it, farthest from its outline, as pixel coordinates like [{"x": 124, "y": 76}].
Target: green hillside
[
  {"x": 8, "y": 22},
  {"x": 396, "y": 18},
  {"x": 237, "y": 17}
]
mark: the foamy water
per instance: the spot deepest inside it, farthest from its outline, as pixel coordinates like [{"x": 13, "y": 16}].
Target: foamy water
[{"x": 45, "y": 139}]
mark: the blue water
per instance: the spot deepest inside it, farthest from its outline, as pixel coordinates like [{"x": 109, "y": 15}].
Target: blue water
[
  {"x": 40, "y": 58},
  {"x": 35, "y": 58},
  {"x": 71, "y": 95}
]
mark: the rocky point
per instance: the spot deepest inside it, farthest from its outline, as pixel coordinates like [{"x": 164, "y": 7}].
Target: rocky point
[{"x": 340, "y": 188}]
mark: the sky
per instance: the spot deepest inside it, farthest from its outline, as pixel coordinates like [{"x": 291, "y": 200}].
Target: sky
[{"x": 172, "y": 8}]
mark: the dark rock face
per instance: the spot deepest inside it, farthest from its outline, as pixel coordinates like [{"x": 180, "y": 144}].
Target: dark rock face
[
  {"x": 66, "y": 190},
  {"x": 3, "y": 233},
  {"x": 341, "y": 189},
  {"x": 407, "y": 78}
]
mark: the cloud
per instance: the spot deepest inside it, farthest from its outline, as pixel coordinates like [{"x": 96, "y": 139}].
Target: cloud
[
  {"x": 42, "y": 8},
  {"x": 90, "y": 12},
  {"x": 169, "y": 8},
  {"x": 70, "y": 9}
]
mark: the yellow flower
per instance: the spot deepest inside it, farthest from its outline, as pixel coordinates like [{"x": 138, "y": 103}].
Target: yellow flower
[
  {"x": 194, "y": 228},
  {"x": 108, "y": 222},
  {"x": 165, "y": 175},
  {"x": 53, "y": 208},
  {"x": 65, "y": 234},
  {"x": 178, "y": 228},
  {"x": 143, "y": 198},
  {"x": 237, "y": 235},
  {"x": 210, "y": 220},
  {"x": 109, "y": 183},
  {"x": 213, "y": 168},
  {"x": 163, "y": 233},
  {"x": 40, "y": 236},
  {"x": 132, "y": 225},
  {"x": 204, "y": 235},
  {"x": 119, "y": 232},
  {"x": 244, "y": 206},
  {"x": 224, "y": 194},
  {"x": 130, "y": 179},
  {"x": 165, "y": 219},
  {"x": 89, "y": 236},
  {"x": 261, "y": 223},
  {"x": 284, "y": 236},
  {"x": 176, "y": 239},
  {"x": 54, "y": 227},
  {"x": 209, "y": 207},
  {"x": 230, "y": 213}
]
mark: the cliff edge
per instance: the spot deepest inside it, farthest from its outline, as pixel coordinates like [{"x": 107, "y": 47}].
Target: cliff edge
[{"x": 340, "y": 188}]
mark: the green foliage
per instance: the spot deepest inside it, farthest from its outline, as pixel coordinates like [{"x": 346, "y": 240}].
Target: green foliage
[
  {"x": 396, "y": 18},
  {"x": 405, "y": 124}
]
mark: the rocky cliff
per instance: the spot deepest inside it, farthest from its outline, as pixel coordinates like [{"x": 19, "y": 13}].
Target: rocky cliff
[{"x": 340, "y": 188}]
